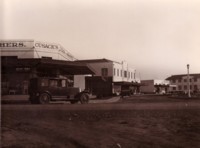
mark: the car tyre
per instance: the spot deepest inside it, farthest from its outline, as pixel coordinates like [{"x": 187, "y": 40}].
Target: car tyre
[
  {"x": 44, "y": 98},
  {"x": 84, "y": 98}
]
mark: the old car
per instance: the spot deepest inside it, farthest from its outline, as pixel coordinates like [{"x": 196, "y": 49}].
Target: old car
[{"x": 43, "y": 90}]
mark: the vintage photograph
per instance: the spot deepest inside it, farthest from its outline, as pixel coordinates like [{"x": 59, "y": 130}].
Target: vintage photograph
[{"x": 100, "y": 73}]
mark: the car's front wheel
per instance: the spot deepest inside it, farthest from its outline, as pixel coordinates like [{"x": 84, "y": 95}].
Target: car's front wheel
[
  {"x": 84, "y": 98},
  {"x": 44, "y": 98}
]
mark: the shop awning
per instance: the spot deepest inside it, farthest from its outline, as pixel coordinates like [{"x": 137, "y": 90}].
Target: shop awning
[
  {"x": 65, "y": 67},
  {"x": 127, "y": 83}
]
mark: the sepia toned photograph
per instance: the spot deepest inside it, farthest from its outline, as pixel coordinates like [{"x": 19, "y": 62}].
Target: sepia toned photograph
[{"x": 100, "y": 73}]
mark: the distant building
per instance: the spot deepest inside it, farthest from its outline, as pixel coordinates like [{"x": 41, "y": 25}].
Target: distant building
[
  {"x": 154, "y": 86},
  {"x": 110, "y": 77},
  {"x": 179, "y": 82}
]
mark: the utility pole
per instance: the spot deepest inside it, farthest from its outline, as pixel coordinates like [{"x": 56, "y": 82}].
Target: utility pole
[
  {"x": 188, "y": 80},
  {"x": 134, "y": 74}
]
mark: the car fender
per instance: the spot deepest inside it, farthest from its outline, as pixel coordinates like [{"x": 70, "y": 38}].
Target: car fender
[
  {"x": 47, "y": 92},
  {"x": 79, "y": 94}
]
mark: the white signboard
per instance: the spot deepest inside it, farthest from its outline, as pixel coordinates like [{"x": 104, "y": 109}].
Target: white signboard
[
  {"x": 54, "y": 48},
  {"x": 10, "y": 44},
  {"x": 46, "y": 45},
  {"x": 33, "y": 49}
]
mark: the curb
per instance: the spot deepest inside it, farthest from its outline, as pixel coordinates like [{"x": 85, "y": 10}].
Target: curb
[{"x": 24, "y": 99}]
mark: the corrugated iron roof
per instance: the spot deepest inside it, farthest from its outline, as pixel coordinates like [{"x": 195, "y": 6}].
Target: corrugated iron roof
[
  {"x": 94, "y": 60},
  {"x": 175, "y": 77}
]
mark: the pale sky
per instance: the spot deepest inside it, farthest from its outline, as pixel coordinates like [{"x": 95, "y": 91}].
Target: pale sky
[{"x": 156, "y": 37}]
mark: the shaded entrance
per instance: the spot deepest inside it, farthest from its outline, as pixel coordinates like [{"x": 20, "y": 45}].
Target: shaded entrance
[
  {"x": 16, "y": 73},
  {"x": 128, "y": 88}
]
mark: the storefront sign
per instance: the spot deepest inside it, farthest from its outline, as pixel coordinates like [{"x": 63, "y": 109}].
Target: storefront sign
[
  {"x": 23, "y": 69},
  {"x": 12, "y": 45},
  {"x": 15, "y": 44},
  {"x": 53, "y": 46},
  {"x": 66, "y": 53},
  {"x": 45, "y": 45},
  {"x": 8, "y": 48}
]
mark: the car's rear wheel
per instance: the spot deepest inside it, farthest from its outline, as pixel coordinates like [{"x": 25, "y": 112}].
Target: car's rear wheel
[
  {"x": 84, "y": 98},
  {"x": 44, "y": 98}
]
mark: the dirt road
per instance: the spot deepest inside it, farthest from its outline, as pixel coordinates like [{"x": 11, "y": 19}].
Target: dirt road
[{"x": 131, "y": 122}]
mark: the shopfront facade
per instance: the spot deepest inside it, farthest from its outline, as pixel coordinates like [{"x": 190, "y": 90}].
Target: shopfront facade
[{"x": 22, "y": 60}]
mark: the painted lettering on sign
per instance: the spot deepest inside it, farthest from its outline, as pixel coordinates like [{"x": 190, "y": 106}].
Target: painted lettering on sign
[
  {"x": 14, "y": 44},
  {"x": 44, "y": 45},
  {"x": 53, "y": 46},
  {"x": 23, "y": 69},
  {"x": 66, "y": 53}
]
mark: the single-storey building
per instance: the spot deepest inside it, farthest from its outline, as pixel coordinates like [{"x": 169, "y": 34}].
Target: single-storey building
[
  {"x": 22, "y": 60},
  {"x": 154, "y": 86}
]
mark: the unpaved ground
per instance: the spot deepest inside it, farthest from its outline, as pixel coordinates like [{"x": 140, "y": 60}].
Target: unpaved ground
[{"x": 132, "y": 122}]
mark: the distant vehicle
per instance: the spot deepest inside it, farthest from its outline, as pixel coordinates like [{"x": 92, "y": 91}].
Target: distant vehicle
[
  {"x": 126, "y": 90},
  {"x": 126, "y": 93},
  {"x": 44, "y": 90}
]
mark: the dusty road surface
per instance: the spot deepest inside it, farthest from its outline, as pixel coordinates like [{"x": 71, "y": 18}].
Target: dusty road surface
[{"x": 131, "y": 122}]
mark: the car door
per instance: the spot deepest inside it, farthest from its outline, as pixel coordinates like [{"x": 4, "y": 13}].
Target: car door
[
  {"x": 63, "y": 88},
  {"x": 54, "y": 88}
]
